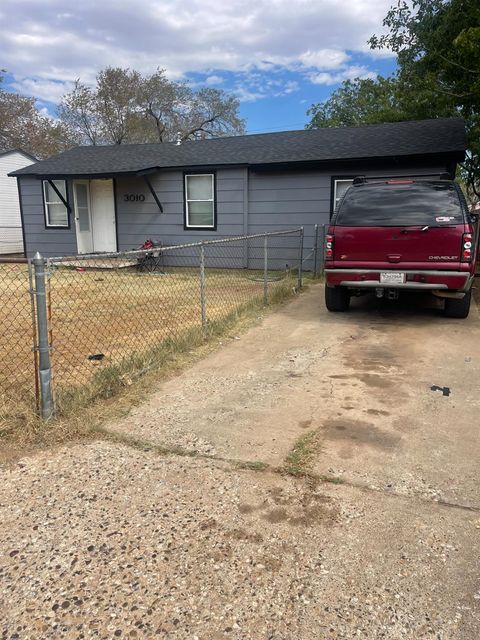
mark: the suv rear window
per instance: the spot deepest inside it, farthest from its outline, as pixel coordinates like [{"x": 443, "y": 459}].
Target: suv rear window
[{"x": 409, "y": 204}]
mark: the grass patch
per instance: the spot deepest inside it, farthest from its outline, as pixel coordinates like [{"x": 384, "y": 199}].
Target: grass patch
[
  {"x": 145, "y": 445},
  {"x": 110, "y": 380},
  {"x": 113, "y": 388},
  {"x": 332, "y": 479},
  {"x": 300, "y": 459},
  {"x": 252, "y": 466}
]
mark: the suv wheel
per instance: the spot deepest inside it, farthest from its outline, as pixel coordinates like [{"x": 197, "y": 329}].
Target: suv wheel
[
  {"x": 337, "y": 298},
  {"x": 458, "y": 308}
]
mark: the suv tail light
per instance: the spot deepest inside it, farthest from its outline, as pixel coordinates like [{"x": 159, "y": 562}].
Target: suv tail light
[
  {"x": 329, "y": 247},
  {"x": 467, "y": 247}
]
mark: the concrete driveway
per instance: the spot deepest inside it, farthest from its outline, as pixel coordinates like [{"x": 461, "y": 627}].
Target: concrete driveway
[{"x": 375, "y": 535}]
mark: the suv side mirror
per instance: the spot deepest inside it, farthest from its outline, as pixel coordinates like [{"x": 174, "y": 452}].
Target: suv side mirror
[{"x": 474, "y": 217}]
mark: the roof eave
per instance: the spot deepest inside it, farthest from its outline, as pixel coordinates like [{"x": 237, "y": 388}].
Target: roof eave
[
  {"x": 452, "y": 156},
  {"x": 421, "y": 158}
]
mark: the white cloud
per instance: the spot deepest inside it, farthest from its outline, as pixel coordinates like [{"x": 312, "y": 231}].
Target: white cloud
[
  {"x": 43, "y": 90},
  {"x": 348, "y": 73},
  {"x": 324, "y": 58},
  {"x": 45, "y": 43},
  {"x": 214, "y": 80},
  {"x": 251, "y": 87},
  {"x": 246, "y": 95}
]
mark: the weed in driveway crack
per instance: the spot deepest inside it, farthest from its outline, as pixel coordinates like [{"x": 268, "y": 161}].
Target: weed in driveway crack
[
  {"x": 301, "y": 457},
  {"x": 298, "y": 462},
  {"x": 146, "y": 445},
  {"x": 251, "y": 466}
]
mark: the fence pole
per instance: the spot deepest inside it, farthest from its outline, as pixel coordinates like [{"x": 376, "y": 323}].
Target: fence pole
[
  {"x": 265, "y": 270},
  {"x": 44, "y": 365},
  {"x": 315, "y": 252},
  {"x": 324, "y": 233},
  {"x": 34, "y": 334},
  {"x": 203, "y": 305},
  {"x": 300, "y": 260}
]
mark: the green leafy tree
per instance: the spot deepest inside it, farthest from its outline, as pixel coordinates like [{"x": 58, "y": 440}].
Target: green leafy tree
[
  {"x": 437, "y": 43},
  {"x": 359, "y": 102}
]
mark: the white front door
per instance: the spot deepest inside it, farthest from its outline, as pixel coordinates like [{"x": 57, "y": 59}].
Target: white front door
[
  {"x": 103, "y": 215},
  {"x": 94, "y": 216},
  {"x": 83, "y": 217}
]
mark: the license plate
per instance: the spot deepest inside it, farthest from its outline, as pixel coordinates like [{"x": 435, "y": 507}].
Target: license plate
[{"x": 392, "y": 277}]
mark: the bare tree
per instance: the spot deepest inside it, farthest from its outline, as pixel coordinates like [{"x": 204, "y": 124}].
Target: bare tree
[
  {"x": 23, "y": 126},
  {"x": 128, "y": 107},
  {"x": 78, "y": 110},
  {"x": 116, "y": 101},
  {"x": 160, "y": 100},
  {"x": 210, "y": 113}
]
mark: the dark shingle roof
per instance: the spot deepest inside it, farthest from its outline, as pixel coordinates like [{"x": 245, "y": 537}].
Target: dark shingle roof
[{"x": 422, "y": 137}]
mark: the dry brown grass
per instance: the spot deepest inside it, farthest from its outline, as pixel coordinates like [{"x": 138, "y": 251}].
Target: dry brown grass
[
  {"x": 123, "y": 312},
  {"x": 139, "y": 322},
  {"x": 16, "y": 340}
]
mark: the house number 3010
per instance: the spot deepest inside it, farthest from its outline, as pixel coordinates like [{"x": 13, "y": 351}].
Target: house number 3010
[{"x": 134, "y": 197}]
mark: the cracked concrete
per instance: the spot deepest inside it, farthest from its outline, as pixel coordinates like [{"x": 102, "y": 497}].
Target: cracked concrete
[{"x": 104, "y": 540}]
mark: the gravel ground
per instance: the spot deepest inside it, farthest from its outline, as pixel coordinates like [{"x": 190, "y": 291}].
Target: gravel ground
[{"x": 103, "y": 540}]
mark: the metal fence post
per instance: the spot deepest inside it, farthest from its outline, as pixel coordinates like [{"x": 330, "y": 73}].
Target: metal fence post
[
  {"x": 315, "y": 252},
  {"x": 324, "y": 233},
  {"x": 202, "y": 289},
  {"x": 300, "y": 260},
  {"x": 265, "y": 270},
  {"x": 44, "y": 365}
]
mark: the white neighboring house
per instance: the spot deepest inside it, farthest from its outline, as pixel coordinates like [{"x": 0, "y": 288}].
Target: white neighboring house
[{"x": 11, "y": 235}]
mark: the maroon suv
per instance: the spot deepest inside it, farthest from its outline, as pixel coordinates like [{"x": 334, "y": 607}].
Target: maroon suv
[{"x": 389, "y": 236}]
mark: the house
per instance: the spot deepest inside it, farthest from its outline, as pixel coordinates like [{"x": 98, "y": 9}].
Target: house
[
  {"x": 108, "y": 198},
  {"x": 11, "y": 236}
]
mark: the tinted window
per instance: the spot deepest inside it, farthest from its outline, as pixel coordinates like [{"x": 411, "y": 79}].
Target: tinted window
[{"x": 391, "y": 205}]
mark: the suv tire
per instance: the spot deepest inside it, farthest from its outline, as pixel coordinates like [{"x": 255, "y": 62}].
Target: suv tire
[
  {"x": 337, "y": 298},
  {"x": 458, "y": 308}
]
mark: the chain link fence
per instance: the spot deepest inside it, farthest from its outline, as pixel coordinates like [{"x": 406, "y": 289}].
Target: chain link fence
[
  {"x": 94, "y": 321},
  {"x": 17, "y": 357}
]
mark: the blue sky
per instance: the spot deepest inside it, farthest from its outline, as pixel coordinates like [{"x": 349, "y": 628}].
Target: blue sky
[{"x": 277, "y": 56}]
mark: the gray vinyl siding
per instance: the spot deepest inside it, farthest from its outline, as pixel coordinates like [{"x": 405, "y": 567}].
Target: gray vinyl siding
[
  {"x": 50, "y": 242},
  {"x": 137, "y": 221},
  {"x": 285, "y": 200},
  {"x": 247, "y": 202}
]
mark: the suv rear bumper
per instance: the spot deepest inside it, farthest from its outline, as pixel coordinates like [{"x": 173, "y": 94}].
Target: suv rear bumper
[{"x": 419, "y": 280}]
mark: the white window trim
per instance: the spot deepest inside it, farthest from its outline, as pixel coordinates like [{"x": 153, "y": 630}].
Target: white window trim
[
  {"x": 335, "y": 198},
  {"x": 48, "y": 202},
  {"x": 187, "y": 201},
  {"x": 335, "y": 203}
]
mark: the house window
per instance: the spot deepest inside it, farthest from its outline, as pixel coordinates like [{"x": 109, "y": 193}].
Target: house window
[
  {"x": 55, "y": 211},
  {"x": 200, "y": 201},
  {"x": 340, "y": 187}
]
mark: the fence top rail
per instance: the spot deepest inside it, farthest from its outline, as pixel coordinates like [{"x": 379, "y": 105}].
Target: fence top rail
[{"x": 167, "y": 248}]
